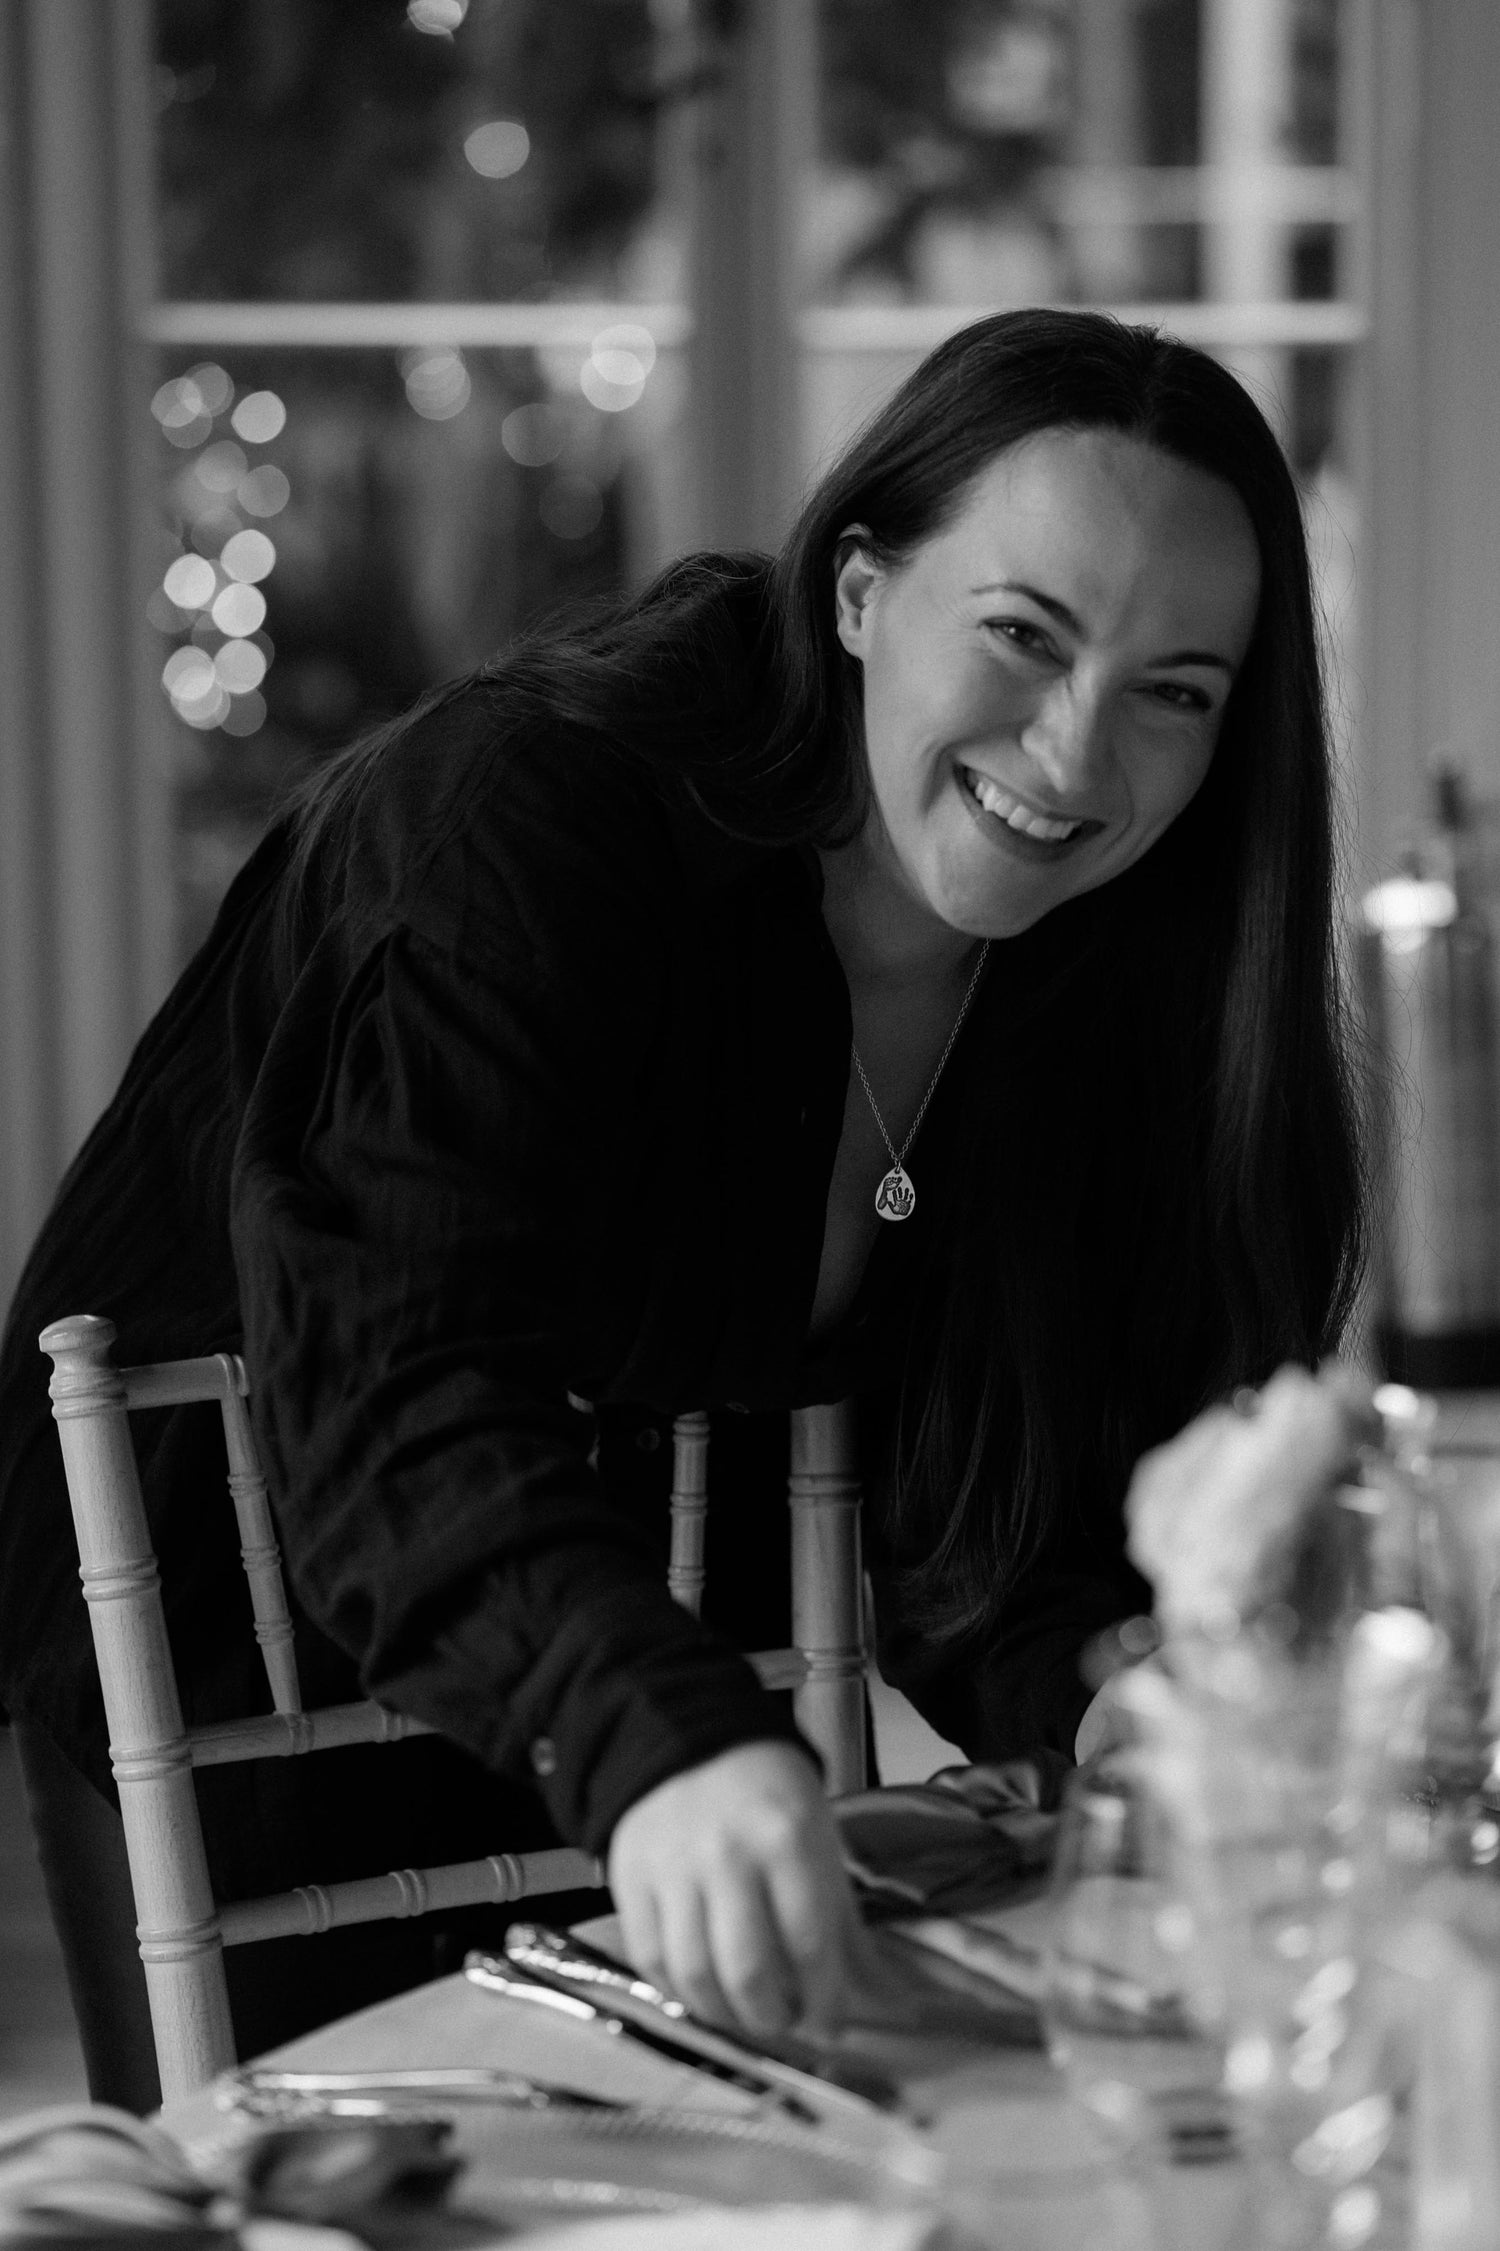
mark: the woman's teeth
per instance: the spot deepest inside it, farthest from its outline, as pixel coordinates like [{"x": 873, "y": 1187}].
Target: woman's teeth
[{"x": 1015, "y": 815}]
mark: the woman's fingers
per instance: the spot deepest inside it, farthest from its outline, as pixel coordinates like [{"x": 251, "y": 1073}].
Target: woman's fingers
[
  {"x": 729, "y": 1877},
  {"x": 640, "y": 1926},
  {"x": 816, "y": 1925},
  {"x": 691, "y": 1967},
  {"x": 756, "y": 1968}
]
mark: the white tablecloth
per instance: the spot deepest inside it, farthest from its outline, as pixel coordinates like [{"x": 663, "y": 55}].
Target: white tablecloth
[{"x": 1020, "y": 2167}]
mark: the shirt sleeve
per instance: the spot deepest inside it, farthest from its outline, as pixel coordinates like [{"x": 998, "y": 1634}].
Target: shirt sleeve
[{"x": 450, "y": 1088}]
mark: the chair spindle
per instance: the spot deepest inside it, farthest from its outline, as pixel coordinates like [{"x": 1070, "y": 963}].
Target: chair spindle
[
  {"x": 828, "y": 1589},
  {"x": 259, "y": 1552},
  {"x": 687, "y": 1570}
]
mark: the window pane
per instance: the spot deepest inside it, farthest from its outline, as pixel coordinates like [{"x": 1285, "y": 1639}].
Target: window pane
[
  {"x": 983, "y": 153},
  {"x": 345, "y": 523},
  {"x": 331, "y": 149},
  {"x": 978, "y": 154},
  {"x": 994, "y": 152}
]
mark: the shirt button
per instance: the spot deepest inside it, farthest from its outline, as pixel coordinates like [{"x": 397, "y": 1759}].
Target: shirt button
[
  {"x": 648, "y": 1439},
  {"x": 544, "y": 1756}
]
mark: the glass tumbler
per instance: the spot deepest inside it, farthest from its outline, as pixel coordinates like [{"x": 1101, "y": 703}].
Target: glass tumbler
[{"x": 1129, "y": 2005}]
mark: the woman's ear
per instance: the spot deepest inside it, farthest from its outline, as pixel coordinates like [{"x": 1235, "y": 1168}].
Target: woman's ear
[{"x": 857, "y": 577}]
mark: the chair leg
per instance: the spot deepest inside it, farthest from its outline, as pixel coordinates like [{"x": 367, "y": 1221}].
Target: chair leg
[
  {"x": 80, "y": 1846},
  {"x": 828, "y": 1590},
  {"x": 178, "y": 1927}
]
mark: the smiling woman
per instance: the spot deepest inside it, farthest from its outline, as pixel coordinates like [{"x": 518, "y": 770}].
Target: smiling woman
[{"x": 555, "y": 1047}]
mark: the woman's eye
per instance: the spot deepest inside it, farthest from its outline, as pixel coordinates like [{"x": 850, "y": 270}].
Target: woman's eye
[
  {"x": 1022, "y": 634},
  {"x": 1179, "y": 697}
]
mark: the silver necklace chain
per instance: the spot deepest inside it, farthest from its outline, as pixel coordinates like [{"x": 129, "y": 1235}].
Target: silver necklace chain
[{"x": 895, "y": 1197}]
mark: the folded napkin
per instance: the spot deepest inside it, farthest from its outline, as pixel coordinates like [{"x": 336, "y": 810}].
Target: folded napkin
[
  {"x": 84, "y": 2174},
  {"x": 972, "y": 1837},
  {"x": 96, "y": 2179}
]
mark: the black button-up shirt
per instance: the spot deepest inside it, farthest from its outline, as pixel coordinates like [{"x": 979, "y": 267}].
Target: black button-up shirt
[{"x": 537, "y": 1094}]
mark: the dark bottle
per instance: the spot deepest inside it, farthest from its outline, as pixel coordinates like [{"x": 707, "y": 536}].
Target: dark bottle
[{"x": 1427, "y": 958}]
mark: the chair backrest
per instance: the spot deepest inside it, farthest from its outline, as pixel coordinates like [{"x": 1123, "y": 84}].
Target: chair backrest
[
  {"x": 181, "y": 1930},
  {"x": 825, "y": 1666}
]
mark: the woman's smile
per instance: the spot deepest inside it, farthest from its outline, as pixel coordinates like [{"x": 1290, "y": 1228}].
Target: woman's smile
[{"x": 1011, "y": 823}]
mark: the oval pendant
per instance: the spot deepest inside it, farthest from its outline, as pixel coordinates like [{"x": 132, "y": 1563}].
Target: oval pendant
[{"x": 895, "y": 1198}]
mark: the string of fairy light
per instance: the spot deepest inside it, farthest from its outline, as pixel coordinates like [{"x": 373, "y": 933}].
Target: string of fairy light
[{"x": 210, "y": 598}]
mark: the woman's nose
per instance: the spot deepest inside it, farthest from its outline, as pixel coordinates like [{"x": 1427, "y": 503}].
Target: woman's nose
[{"x": 1067, "y": 737}]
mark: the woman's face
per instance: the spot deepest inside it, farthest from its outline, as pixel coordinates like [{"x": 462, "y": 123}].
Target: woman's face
[{"x": 1045, "y": 679}]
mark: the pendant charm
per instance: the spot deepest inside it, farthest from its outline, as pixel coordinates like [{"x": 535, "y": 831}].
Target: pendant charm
[{"x": 895, "y": 1198}]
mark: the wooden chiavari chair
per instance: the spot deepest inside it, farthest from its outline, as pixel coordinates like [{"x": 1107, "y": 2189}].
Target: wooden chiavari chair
[{"x": 182, "y": 1932}]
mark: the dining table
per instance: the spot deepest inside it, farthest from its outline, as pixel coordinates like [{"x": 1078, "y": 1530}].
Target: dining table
[{"x": 983, "y": 2148}]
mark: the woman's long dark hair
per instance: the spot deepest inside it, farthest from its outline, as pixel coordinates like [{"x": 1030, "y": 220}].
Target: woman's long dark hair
[{"x": 1159, "y": 1194}]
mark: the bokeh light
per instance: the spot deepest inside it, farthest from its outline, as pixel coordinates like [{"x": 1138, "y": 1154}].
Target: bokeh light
[
  {"x": 534, "y": 435},
  {"x": 499, "y": 148},
  {"x": 264, "y": 491},
  {"x": 246, "y": 714},
  {"x": 198, "y": 695},
  {"x": 239, "y": 666},
  {"x": 259, "y": 417},
  {"x": 249, "y": 555},
  {"x": 437, "y": 383},
  {"x": 211, "y": 590},
  {"x": 213, "y": 385},
  {"x": 187, "y": 432},
  {"x": 624, "y": 352},
  {"x": 571, "y": 507},
  {"x": 441, "y": 18},
  {"x": 188, "y": 674},
  {"x": 186, "y": 405},
  {"x": 206, "y": 711},
  {"x": 177, "y": 402},
  {"x": 614, "y": 374},
  {"x": 220, "y": 467},
  {"x": 190, "y": 582},
  {"x": 239, "y": 609}
]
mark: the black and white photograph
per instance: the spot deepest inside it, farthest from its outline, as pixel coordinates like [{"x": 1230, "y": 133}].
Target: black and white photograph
[{"x": 750, "y": 1125}]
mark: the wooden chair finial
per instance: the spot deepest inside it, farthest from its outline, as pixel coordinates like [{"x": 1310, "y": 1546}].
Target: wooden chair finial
[{"x": 79, "y": 1349}]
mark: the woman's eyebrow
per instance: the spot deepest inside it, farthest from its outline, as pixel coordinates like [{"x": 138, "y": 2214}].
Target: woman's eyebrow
[
  {"x": 1047, "y": 602},
  {"x": 1074, "y": 623}
]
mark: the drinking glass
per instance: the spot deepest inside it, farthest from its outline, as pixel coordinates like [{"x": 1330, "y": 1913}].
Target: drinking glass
[
  {"x": 1130, "y": 2006},
  {"x": 1281, "y": 1761}
]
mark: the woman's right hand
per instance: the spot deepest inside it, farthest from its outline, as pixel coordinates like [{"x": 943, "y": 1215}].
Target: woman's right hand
[{"x": 732, "y": 1893}]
